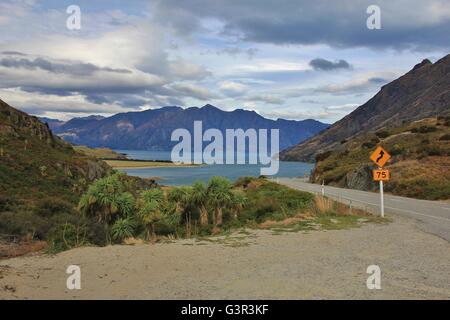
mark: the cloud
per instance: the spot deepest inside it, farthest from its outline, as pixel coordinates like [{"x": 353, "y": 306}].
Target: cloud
[
  {"x": 232, "y": 89},
  {"x": 234, "y": 51},
  {"x": 326, "y": 65},
  {"x": 405, "y": 24},
  {"x": 191, "y": 90},
  {"x": 72, "y": 68},
  {"x": 265, "y": 98}
]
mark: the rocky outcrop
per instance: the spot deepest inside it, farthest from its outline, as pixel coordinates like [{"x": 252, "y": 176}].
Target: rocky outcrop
[{"x": 359, "y": 178}]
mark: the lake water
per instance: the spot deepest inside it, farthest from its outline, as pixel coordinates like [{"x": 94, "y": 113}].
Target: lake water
[{"x": 188, "y": 175}]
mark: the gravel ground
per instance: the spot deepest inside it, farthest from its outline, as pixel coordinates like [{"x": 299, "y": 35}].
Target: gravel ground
[{"x": 258, "y": 265}]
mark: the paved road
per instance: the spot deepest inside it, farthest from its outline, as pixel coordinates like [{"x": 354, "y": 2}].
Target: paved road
[{"x": 433, "y": 216}]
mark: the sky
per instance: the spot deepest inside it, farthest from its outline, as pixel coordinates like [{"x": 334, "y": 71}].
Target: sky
[{"x": 289, "y": 59}]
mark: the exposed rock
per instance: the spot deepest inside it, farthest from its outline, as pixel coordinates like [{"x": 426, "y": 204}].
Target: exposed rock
[{"x": 360, "y": 178}]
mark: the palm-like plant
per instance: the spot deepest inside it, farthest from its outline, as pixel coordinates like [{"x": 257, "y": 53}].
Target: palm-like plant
[
  {"x": 106, "y": 200},
  {"x": 199, "y": 198},
  {"x": 219, "y": 196},
  {"x": 238, "y": 201},
  {"x": 180, "y": 196},
  {"x": 123, "y": 228},
  {"x": 150, "y": 213}
]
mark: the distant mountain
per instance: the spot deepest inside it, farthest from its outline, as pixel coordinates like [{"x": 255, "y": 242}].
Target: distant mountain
[
  {"x": 151, "y": 129},
  {"x": 422, "y": 92},
  {"x": 52, "y": 123}
]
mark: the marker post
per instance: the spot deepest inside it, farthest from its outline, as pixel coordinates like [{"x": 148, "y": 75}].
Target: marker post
[{"x": 382, "y": 198}]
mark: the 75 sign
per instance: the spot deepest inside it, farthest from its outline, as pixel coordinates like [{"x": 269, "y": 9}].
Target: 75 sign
[{"x": 381, "y": 175}]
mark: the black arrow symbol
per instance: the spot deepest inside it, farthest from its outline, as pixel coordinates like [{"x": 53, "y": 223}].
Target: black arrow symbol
[{"x": 380, "y": 156}]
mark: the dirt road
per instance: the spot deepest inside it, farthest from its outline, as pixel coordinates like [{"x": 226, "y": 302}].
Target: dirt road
[{"x": 258, "y": 265}]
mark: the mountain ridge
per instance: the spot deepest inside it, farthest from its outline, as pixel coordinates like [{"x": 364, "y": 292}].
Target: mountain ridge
[{"x": 151, "y": 129}]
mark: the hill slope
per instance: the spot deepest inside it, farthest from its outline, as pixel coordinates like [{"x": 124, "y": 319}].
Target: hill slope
[
  {"x": 151, "y": 129},
  {"x": 40, "y": 174},
  {"x": 422, "y": 92}
]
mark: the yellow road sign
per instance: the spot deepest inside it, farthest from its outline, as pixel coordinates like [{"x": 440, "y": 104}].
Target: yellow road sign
[
  {"x": 380, "y": 156},
  {"x": 381, "y": 175}
]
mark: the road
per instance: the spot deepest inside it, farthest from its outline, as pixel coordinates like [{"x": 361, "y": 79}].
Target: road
[{"x": 433, "y": 216}]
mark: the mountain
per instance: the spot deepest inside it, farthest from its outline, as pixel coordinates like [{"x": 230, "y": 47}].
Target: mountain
[
  {"x": 52, "y": 123},
  {"x": 151, "y": 129},
  {"x": 422, "y": 92}
]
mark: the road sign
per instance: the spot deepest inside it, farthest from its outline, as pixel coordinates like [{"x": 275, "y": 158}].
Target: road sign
[
  {"x": 380, "y": 156},
  {"x": 381, "y": 175}
]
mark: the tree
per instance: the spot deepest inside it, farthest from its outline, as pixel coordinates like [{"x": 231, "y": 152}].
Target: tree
[
  {"x": 180, "y": 196},
  {"x": 151, "y": 210},
  {"x": 106, "y": 200},
  {"x": 238, "y": 201},
  {"x": 199, "y": 199},
  {"x": 150, "y": 213},
  {"x": 219, "y": 196}
]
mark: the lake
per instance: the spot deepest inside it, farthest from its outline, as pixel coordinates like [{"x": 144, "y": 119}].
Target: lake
[{"x": 188, "y": 175}]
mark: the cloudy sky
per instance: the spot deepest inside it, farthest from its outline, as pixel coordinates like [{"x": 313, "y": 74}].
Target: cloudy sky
[{"x": 287, "y": 58}]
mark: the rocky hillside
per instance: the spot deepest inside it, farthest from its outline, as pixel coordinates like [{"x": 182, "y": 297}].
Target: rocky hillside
[
  {"x": 151, "y": 129},
  {"x": 421, "y": 93}
]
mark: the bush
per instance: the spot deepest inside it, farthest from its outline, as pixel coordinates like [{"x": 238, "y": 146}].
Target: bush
[
  {"x": 445, "y": 137},
  {"x": 382, "y": 134},
  {"x": 123, "y": 228},
  {"x": 67, "y": 236},
  {"x": 323, "y": 156},
  {"x": 434, "y": 151},
  {"x": 51, "y": 206},
  {"x": 424, "y": 129}
]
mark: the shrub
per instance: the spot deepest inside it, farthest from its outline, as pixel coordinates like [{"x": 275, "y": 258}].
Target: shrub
[
  {"x": 51, "y": 206},
  {"x": 424, "y": 129},
  {"x": 382, "y": 134},
  {"x": 123, "y": 228},
  {"x": 445, "y": 137},
  {"x": 324, "y": 155},
  {"x": 67, "y": 236}
]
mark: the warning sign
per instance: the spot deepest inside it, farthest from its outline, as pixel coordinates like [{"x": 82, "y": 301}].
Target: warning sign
[{"x": 380, "y": 157}]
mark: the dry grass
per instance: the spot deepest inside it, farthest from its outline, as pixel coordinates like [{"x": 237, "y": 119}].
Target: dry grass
[
  {"x": 10, "y": 250},
  {"x": 323, "y": 205},
  {"x": 101, "y": 153},
  {"x": 133, "y": 241}
]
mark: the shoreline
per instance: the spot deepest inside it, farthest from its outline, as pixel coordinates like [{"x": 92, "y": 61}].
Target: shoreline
[{"x": 143, "y": 164}]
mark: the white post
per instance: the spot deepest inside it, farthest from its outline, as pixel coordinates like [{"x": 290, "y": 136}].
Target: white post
[
  {"x": 323, "y": 188},
  {"x": 382, "y": 199}
]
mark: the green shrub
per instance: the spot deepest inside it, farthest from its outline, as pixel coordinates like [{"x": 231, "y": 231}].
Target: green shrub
[
  {"x": 382, "y": 134},
  {"x": 123, "y": 228},
  {"x": 424, "y": 129},
  {"x": 67, "y": 236},
  {"x": 322, "y": 156},
  {"x": 50, "y": 206}
]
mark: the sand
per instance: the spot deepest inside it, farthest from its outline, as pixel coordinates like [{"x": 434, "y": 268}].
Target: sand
[{"x": 257, "y": 265}]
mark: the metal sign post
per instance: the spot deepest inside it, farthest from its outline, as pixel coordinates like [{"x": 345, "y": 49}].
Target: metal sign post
[{"x": 382, "y": 198}]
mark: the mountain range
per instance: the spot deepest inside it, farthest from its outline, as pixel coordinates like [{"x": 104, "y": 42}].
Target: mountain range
[
  {"x": 422, "y": 92},
  {"x": 151, "y": 129}
]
